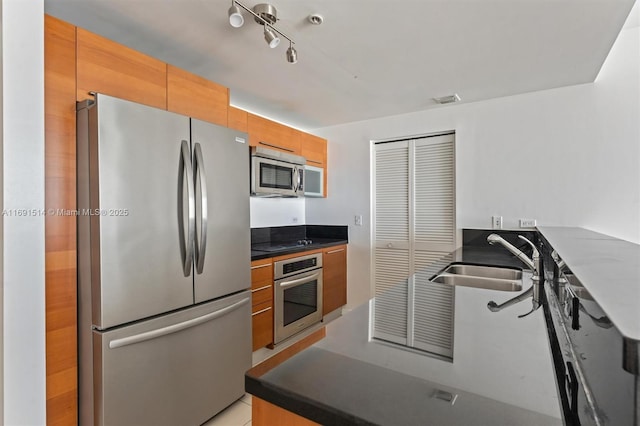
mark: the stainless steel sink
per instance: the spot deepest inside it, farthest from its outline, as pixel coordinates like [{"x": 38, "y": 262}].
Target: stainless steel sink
[
  {"x": 484, "y": 271},
  {"x": 479, "y": 282}
]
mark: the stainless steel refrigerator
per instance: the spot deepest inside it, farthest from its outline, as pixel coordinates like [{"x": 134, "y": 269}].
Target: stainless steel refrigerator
[{"x": 163, "y": 265}]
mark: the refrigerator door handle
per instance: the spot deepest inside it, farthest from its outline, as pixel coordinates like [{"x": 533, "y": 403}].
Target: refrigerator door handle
[
  {"x": 154, "y": 334},
  {"x": 185, "y": 172},
  {"x": 201, "y": 178}
]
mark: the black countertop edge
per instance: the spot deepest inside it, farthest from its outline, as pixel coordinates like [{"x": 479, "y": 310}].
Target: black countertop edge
[
  {"x": 257, "y": 255},
  {"x": 556, "y": 356},
  {"x": 298, "y": 404}
]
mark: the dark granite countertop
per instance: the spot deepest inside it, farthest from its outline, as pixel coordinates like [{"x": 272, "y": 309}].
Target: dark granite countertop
[
  {"x": 317, "y": 243},
  {"x": 501, "y": 371}
]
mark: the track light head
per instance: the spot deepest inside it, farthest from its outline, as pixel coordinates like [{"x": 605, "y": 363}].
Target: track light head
[
  {"x": 292, "y": 55},
  {"x": 235, "y": 16},
  {"x": 271, "y": 38}
]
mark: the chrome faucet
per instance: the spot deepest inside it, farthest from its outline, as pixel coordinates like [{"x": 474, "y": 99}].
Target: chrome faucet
[{"x": 532, "y": 264}]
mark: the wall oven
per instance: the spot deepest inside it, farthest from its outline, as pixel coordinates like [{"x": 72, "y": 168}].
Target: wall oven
[
  {"x": 297, "y": 294},
  {"x": 276, "y": 174}
]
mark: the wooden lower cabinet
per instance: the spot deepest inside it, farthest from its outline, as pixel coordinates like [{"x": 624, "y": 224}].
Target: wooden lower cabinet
[
  {"x": 264, "y": 413},
  {"x": 262, "y": 302},
  {"x": 334, "y": 282}
]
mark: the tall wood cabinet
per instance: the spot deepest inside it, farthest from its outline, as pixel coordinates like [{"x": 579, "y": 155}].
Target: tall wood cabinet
[{"x": 60, "y": 231}]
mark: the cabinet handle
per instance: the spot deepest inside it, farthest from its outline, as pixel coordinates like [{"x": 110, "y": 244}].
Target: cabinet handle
[
  {"x": 314, "y": 161},
  {"x": 261, "y": 311},
  {"x": 276, "y": 146},
  {"x": 261, "y": 288},
  {"x": 261, "y": 266},
  {"x": 335, "y": 251}
]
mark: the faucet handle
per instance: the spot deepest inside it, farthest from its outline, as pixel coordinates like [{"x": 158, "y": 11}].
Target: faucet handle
[{"x": 535, "y": 249}]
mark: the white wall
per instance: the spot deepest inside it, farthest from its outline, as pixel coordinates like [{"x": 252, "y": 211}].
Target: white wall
[
  {"x": 23, "y": 239},
  {"x": 277, "y": 212},
  {"x": 565, "y": 157}
]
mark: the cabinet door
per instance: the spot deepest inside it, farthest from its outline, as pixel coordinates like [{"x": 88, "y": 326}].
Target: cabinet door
[
  {"x": 314, "y": 149},
  {"x": 107, "y": 67},
  {"x": 269, "y": 134},
  {"x": 237, "y": 119},
  {"x": 194, "y": 96},
  {"x": 334, "y": 285},
  {"x": 262, "y": 302}
]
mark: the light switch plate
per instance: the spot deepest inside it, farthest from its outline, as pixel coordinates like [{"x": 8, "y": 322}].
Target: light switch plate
[{"x": 358, "y": 219}]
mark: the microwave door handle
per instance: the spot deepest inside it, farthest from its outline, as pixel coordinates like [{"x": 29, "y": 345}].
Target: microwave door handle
[
  {"x": 292, "y": 283},
  {"x": 295, "y": 179},
  {"x": 185, "y": 172},
  {"x": 201, "y": 177},
  {"x": 300, "y": 179}
]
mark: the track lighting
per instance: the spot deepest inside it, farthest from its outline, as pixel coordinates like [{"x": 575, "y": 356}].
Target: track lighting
[
  {"x": 266, "y": 15},
  {"x": 271, "y": 38},
  {"x": 292, "y": 55},
  {"x": 235, "y": 17}
]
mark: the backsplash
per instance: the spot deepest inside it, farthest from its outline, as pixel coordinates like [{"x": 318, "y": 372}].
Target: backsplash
[
  {"x": 279, "y": 234},
  {"x": 267, "y": 212}
]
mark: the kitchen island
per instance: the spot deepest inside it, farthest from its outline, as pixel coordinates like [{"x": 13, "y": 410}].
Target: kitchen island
[{"x": 501, "y": 371}]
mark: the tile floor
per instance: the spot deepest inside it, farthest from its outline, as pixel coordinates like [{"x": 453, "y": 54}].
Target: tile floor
[{"x": 237, "y": 414}]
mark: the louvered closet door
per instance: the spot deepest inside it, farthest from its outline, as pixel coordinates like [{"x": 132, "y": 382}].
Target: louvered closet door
[
  {"x": 433, "y": 237},
  {"x": 391, "y": 255},
  {"x": 414, "y": 225}
]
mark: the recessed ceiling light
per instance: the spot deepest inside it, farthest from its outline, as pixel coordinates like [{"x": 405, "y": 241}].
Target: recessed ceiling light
[
  {"x": 447, "y": 99},
  {"x": 315, "y": 19}
]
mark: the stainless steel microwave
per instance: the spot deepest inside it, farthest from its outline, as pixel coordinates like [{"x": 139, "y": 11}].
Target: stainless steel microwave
[{"x": 276, "y": 174}]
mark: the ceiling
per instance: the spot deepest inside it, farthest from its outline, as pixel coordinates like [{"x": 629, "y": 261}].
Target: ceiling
[{"x": 370, "y": 58}]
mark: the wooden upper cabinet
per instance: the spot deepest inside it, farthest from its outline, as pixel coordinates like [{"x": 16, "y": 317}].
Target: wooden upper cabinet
[
  {"x": 113, "y": 69},
  {"x": 314, "y": 149},
  {"x": 237, "y": 119},
  {"x": 269, "y": 134},
  {"x": 197, "y": 97}
]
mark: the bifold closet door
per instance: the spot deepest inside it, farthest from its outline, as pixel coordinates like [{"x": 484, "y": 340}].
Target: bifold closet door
[{"x": 414, "y": 221}]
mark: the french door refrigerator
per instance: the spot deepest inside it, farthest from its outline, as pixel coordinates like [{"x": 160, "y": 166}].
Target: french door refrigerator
[{"x": 163, "y": 265}]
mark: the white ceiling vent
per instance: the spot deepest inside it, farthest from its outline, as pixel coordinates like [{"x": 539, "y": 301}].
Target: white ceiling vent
[{"x": 447, "y": 99}]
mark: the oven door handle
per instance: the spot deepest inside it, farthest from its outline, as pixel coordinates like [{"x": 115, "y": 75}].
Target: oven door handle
[{"x": 292, "y": 283}]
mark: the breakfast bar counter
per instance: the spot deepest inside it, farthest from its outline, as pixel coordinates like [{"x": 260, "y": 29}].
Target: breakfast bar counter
[{"x": 501, "y": 371}]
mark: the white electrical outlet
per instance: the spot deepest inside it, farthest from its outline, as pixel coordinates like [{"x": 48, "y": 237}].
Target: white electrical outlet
[
  {"x": 496, "y": 222},
  {"x": 527, "y": 223},
  {"x": 358, "y": 219}
]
